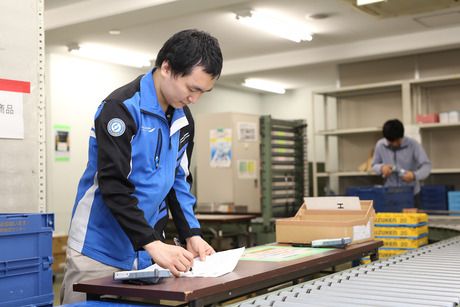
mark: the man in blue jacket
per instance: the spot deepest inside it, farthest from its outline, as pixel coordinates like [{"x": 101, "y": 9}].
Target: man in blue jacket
[
  {"x": 401, "y": 160},
  {"x": 138, "y": 169}
]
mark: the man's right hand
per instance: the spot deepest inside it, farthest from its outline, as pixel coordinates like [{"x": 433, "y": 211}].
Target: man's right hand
[
  {"x": 174, "y": 258},
  {"x": 386, "y": 170}
]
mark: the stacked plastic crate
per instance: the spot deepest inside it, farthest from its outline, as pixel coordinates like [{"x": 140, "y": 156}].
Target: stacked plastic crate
[
  {"x": 25, "y": 259},
  {"x": 454, "y": 201},
  {"x": 400, "y": 232},
  {"x": 434, "y": 197},
  {"x": 385, "y": 199}
]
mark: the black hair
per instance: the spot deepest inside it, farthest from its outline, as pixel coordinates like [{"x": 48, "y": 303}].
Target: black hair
[
  {"x": 189, "y": 48},
  {"x": 393, "y": 130}
]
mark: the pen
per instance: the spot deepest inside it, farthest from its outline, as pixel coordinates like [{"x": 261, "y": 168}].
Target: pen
[{"x": 177, "y": 243}]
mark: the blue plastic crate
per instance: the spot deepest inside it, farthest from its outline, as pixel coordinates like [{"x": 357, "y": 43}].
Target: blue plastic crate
[
  {"x": 454, "y": 201},
  {"x": 434, "y": 197},
  {"x": 107, "y": 304},
  {"x": 385, "y": 199},
  {"x": 26, "y": 278}
]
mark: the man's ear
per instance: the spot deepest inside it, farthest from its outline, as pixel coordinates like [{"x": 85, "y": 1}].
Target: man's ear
[{"x": 165, "y": 68}]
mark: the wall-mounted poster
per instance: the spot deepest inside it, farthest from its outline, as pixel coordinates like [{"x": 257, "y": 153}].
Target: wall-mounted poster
[
  {"x": 61, "y": 143},
  {"x": 11, "y": 108},
  {"x": 247, "y": 132},
  {"x": 220, "y": 141},
  {"x": 247, "y": 169}
]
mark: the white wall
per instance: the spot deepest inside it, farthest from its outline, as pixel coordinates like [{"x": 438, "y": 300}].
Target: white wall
[
  {"x": 22, "y": 185},
  {"x": 222, "y": 99},
  {"x": 75, "y": 87},
  {"x": 297, "y": 104}
]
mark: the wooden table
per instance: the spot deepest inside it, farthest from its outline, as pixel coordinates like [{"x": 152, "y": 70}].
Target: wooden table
[{"x": 248, "y": 276}]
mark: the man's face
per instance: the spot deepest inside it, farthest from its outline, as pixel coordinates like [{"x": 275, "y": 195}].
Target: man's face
[
  {"x": 180, "y": 91},
  {"x": 396, "y": 143}
]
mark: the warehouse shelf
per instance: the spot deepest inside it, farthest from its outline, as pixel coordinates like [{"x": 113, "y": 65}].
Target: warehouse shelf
[
  {"x": 352, "y": 114},
  {"x": 350, "y": 131},
  {"x": 445, "y": 171},
  {"x": 439, "y": 125},
  {"x": 346, "y": 174}
]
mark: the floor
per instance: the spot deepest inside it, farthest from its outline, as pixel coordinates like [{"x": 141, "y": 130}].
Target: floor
[{"x": 56, "y": 287}]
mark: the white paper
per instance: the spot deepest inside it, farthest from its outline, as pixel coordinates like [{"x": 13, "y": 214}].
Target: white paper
[
  {"x": 362, "y": 232},
  {"x": 215, "y": 265},
  {"x": 11, "y": 115},
  {"x": 333, "y": 203}
]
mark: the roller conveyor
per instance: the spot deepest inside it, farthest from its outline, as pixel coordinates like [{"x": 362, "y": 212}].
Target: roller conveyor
[{"x": 428, "y": 276}]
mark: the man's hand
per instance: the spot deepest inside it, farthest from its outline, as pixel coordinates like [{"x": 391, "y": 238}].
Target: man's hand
[
  {"x": 199, "y": 247},
  {"x": 171, "y": 257},
  {"x": 409, "y": 176},
  {"x": 386, "y": 170}
]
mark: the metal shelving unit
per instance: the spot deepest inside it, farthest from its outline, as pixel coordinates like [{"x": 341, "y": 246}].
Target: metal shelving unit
[{"x": 284, "y": 166}]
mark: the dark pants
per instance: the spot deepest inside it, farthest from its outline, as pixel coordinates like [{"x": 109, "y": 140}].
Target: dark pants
[{"x": 417, "y": 201}]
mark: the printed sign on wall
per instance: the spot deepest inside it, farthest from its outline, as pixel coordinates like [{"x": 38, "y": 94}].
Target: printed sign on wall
[
  {"x": 61, "y": 143},
  {"x": 11, "y": 108}
]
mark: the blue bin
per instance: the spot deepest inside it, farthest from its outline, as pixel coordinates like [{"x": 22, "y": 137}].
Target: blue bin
[
  {"x": 454, "y": 201},
  {"x": 26, "y": 277},
  {"x": 385, "y": 199},
  {"x": 434, "y": 197}
]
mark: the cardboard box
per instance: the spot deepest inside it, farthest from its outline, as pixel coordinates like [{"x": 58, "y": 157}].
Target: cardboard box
[
  {"x": 454, "y": 116},
  {"x": 314, "y": 224},
  {"x": 444, "y": 117},
  {"x": 427, "y": 118}
]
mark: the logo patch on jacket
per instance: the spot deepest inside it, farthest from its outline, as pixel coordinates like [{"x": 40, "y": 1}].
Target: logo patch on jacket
[{"x": 116, "y": 127}]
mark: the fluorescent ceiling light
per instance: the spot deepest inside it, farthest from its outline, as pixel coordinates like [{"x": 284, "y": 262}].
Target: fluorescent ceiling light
[
  {"x": 366, "y": 2},
  {"x": 276, "y": 25},
  {"x": 111, "y": 55},
  {"x": 266, "y": 86}
]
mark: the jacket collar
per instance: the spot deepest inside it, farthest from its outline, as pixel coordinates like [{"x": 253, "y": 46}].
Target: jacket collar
[
  {"x": 149, "y": 102},
  {"x": 404, "y": 144}
]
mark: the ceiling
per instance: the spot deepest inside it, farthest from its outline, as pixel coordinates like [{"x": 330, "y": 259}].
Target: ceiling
[{"x": 347, "y": 33}]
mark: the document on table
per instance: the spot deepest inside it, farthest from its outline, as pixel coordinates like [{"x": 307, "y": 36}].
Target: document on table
[{"x": 215, "y": 265}]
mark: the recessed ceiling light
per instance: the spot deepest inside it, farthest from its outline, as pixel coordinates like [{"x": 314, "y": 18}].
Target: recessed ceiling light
[
  {"x": 275, "y": 24},
  {"x": 263, "y": 85},
  {"x": 319, "y": 16},
  {"x": 114, "y": 32},
  {"x": 366, "y": 2}
]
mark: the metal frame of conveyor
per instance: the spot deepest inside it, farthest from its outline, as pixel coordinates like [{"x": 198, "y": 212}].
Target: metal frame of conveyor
[{"x": 428, "y": 276}]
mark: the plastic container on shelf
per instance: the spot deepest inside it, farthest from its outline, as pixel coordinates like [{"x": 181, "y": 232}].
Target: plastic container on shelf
[
  {"x": 434, "y": 197},
  {"x": 454, "y": 201},
  {"x": 385, "y": 199}
]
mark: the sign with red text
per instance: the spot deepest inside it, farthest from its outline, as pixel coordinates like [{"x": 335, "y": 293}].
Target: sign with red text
[{"x": 11, "y": 108}]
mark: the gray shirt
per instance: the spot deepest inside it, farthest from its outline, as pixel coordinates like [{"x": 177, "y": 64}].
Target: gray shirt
[{"x": 410, "y": 157}]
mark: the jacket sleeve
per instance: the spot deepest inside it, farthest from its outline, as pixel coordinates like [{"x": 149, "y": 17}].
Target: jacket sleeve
[
  {"x": 377, "y": 160},
  {"x": 114, "y": 167},
  {"x": 423, "y": 163},
  {"x": 181, "y": 201}
]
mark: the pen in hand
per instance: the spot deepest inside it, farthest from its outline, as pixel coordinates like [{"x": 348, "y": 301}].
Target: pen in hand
[{"x": 177, "y": 243}]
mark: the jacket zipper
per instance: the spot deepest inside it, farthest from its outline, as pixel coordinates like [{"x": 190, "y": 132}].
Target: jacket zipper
[
  {"x": 160, "y": 138},
  {"x": 158, "y": 149}
]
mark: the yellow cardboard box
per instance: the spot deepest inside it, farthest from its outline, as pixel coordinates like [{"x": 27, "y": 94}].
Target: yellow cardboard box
[{"x": 313, "y": 224}]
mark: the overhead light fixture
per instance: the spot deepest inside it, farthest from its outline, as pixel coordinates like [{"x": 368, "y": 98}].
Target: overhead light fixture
[
  {"x": 263, "y": 85},
  {"x": 111, "y": 55},
  {"x": 366, "y": 2},
  {"x": 276, "y": 25}
]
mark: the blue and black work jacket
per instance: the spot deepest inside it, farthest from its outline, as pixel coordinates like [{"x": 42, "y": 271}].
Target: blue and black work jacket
[{"x": 138, "y": 169}]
